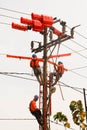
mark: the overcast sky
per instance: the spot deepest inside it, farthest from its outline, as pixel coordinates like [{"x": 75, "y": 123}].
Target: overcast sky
[{"x": 15, "y": 93}]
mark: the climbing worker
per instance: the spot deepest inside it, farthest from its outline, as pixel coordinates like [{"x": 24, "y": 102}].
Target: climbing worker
[
  {"x": 58, "y": 74},
  {"x": 60, "y": 69},
  {"x": 34, "y": 64},
  {"x": 36, "y": 111}
]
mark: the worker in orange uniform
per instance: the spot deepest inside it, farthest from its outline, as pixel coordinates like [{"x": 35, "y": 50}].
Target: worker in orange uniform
[
  {"x": 36, "y": 111},
  {"x": 59, "y": 72},
  {"x": 34, "y": 63},
  {"x": 60, "y": 69}
]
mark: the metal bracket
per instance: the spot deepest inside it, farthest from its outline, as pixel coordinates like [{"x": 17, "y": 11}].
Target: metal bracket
[
  {"x": 33, "y": 43},
  {"x": 72, "y": 31}
]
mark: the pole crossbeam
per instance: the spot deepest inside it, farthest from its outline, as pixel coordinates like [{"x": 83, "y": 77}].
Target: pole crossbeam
[{"x": 52, "y": 43}]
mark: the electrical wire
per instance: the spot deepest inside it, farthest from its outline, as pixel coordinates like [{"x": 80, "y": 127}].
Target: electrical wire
[
  {"x": 30, "y": 119},
  {"x": 17, "y": 119},
  {"x": 75, "y": 51},
  {"x": 5, "y": 23},
  {"x": 21, "y": 77},
  {"x": 78, "y": 44},
  {"x": 9, "y": 16},
  {"x": 20, "y": 73},
  {"x": 14, "y": 11},
  {"x": 74, "y": 88},
  {"x": 71, "y": 70},
  {"x": 79, "y": 74},
  {"x": 78, "y": 68},
  {"x": 61, "y": 83}
]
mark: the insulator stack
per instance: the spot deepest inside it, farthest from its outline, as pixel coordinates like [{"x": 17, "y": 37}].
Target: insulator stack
[
  {"x": 36, "y": 17},
  {"x": 19, "y": 27},
  {"x": 26, "y": 21},
  {"x": 57, "y": 32}
]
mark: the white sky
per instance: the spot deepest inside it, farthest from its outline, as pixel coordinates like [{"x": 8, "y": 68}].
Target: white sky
[{"x": 15, "y": 93}]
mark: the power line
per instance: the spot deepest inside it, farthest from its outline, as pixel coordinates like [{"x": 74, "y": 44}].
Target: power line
[
  {"x": 79, "y": 74},
  {"x": 17, "y": 119},
  {"x": 10, "y": 74},
  {"x": 18, "y": 73},
  {"x": 78, "y": 68},
  {"x": 78, "y": 44},
  {"x": 9, "y": 16},
  {"x": 75, "y": 51},
  {"x": 80, "y": 35},
  {"x": 30, "y": 119},
  {"x": 21, "y": 77},
  {"x": 74, "y": 88},
  {"x": 5, "y": 23},
  {"x": 82, "y": 50},
  {"x": 13, "y": 11}
]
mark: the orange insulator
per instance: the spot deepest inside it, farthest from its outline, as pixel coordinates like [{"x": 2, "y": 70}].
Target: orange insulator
[
  {"x": 19, "y": 27},
  {"x": 57, "y": 32},
  {"x": 36, "y": 17},
  {"x": 26, "y": 21},
  {"x": 37, "y": 26},
  {"x": 47, "y": 21}
]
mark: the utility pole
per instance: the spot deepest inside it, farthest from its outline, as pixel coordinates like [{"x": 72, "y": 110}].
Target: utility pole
[
  {"x": 41, "y": 24},
  {"x": 45, "y": 81}
]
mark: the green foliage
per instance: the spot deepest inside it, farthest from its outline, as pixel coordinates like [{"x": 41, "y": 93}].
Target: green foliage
[
  {"x": 62, "y": 118},
  {"x": 78, "y": 113}
]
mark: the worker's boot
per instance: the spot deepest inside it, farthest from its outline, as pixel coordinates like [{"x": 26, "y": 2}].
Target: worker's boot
[{"x": 40, "y": 121}]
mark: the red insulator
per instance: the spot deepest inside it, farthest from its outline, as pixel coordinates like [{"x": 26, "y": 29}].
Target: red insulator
[
  {"x": 36, "y": 17},
  {"x": 26, "y": 21},
  {"x": 19, "y": 27},
  {"x": 57, "y": 32},
  {"x": 47, "y": 21},
  {"x": 37, "y": 26}
]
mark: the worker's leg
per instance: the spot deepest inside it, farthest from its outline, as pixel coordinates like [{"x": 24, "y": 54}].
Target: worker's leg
[
  {"x": 40, "y": 75},
  {"x": 39, "y": 80},
  {"x": 37, "y": 114},
  {"x": 39, "y": 118},
  {"x": 53, "y": 78},
  {"x": 37, "y": 73}
]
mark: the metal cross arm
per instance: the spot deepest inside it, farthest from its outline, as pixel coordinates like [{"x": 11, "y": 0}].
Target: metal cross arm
[{"x": 52, "y": 43}]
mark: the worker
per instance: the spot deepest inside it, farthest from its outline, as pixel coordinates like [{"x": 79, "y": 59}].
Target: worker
[
  {"x": 34, "y": 64},
  {"x": 36, "y": 111},
  {"x": 60, "y": 69},
  {"x": 58, "y": 73}
]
